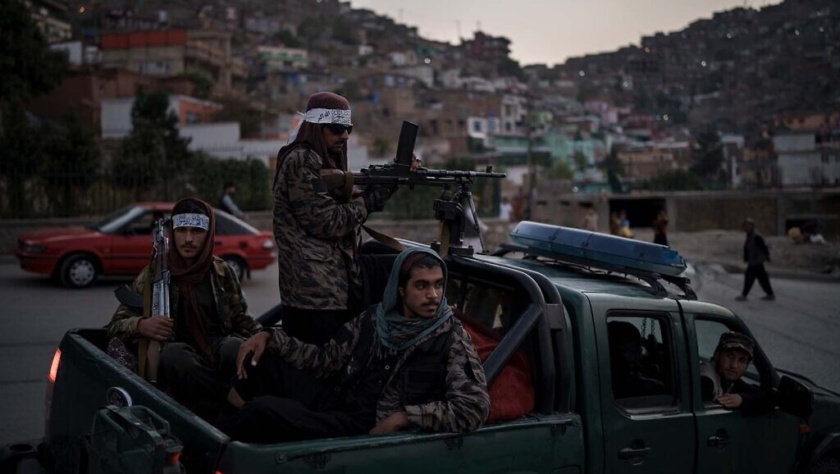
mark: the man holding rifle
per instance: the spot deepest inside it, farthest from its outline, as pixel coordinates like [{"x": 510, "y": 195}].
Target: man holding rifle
[
  {"x": 315, "y": 224},
  {"x": 198, "y": 343}
]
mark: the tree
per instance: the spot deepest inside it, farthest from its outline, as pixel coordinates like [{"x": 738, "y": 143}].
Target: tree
[
  {"x": 614, "y": 168},
  {"x": 21, "y": 153},
  {"x": 154, "y": 149},
  {"x": 28, "y": 68},
  {"x": 560, "y": 170},
  {"x": 344, "y": 31},
  {"x": 203, "y": 83},
  {"x": 141, "y": 161},
  {"x": 678, "y": 180},
  {"x": 71, "y": 161},
  {"x": 707, "y": 155}
]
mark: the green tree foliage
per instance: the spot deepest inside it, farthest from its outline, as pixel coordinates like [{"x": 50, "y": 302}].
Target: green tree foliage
[
  {"x": 351, "y": 89},
  {"x": 154, "y": 152},
  {"x": 560, "y": 170},
  {"x": 20, "y": 161},
  {"x": 28, "y": 68},
  {"x": 287, "y": 38},
  {"x": 141, "y": 161},
  {"x": 251, "y": 177},
  {"x": 678, "y": 180},
  {"x": 344, "y": 31},
  {"x": 309, "y": 30},
  {"x": 71, "y": 160},
  {"x": 614, "y": 169},
  {"x": 27, "y": 65},
  {"x": 203, "y": 83}
]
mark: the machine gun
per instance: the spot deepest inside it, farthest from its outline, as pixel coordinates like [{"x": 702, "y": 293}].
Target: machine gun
[
  {"x": 450, "y": 207},
  {"x": 156, "y": 299},
  {"x": 399, "y": 172}
]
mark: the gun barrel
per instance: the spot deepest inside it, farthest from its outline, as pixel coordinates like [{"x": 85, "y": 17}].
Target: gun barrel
[{"x": 428, "y": 177}]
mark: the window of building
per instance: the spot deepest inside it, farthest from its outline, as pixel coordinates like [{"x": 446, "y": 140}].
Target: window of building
[
  {"x": 642, "y": 364},
  {"x": 477, "y": 126}
]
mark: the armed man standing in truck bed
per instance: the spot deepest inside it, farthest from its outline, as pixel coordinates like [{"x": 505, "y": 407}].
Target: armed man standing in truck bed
[
  {"x": 314, "y": 227},
  {"x": 209, "y": 320},
  {"x": 404, "y": 363}
]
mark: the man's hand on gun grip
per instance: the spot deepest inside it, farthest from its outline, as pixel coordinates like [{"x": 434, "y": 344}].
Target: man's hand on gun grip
[
  {"x": 158, "y": 328},
  {"x": 375, "y": 197}
]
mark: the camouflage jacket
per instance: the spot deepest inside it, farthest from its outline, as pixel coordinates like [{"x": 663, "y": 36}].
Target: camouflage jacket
[
  {"x": 314, "y": 234},
  {"x": 230, "y": 305},
  {"x": 465, "y": 405}
]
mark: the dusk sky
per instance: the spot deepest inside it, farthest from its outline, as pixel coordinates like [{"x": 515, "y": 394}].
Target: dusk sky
[{"x": 550, "y": 31}]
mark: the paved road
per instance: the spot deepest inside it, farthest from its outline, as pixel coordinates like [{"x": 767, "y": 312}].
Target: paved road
[
  {"x": 798, "y": 331},
  {"x": 35, "y": 314}
]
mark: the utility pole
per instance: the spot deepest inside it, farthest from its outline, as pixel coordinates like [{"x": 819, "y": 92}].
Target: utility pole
[{"x": 532, "y": 165}]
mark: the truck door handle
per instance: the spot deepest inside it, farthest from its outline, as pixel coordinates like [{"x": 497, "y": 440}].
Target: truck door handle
[
  {"x": 718, "y": 441},
  {"x": 632, "y": 453}
]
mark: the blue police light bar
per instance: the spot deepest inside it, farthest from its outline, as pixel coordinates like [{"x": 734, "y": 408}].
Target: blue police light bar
[{"x": 597, "y": 250}]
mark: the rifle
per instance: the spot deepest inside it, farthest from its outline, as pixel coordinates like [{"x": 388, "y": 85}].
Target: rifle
[{"x": 156, "y": 299}]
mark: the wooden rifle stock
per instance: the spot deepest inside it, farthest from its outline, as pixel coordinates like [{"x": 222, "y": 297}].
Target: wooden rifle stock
[{"x": 155, "y": 302}]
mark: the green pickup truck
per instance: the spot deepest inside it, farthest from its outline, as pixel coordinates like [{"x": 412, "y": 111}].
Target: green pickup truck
[{"x": 552, "y": 296}]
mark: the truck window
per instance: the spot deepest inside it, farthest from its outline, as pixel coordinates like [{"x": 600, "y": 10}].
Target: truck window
[
  {"x": 708, "y": 332},
  {"x": 641, "y": 361},
  {"x": 490, "y": 306}
]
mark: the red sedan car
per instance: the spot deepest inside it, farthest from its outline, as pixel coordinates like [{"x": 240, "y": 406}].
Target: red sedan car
[{"x": 121, "y": 244}]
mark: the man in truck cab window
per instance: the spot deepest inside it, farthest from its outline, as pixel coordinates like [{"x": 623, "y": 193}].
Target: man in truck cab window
[
  {"x": 209, "y": 316},
  {"x": 405, "y": 363},
  {"x": 720, "y": 380}
]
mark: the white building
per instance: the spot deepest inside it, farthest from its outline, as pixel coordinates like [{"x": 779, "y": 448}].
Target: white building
[{"x": 804, "y": 162}]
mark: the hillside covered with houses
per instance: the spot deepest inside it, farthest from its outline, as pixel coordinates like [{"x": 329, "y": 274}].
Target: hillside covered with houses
[{"x": 749, "y": 98}]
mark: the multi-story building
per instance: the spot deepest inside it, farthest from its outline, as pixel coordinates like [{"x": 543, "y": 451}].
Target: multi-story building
[
  {"x": 174, "y": 52},
  {"x": 808, "y": 158}
]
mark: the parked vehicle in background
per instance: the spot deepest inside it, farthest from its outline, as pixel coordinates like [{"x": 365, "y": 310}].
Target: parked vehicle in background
[{"x": 120, "y": 244}]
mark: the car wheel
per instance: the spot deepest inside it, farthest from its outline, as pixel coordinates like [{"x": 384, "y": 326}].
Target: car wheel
[
  {"x": 237, "y": 265},
  {"x": 78, "y": 271}
]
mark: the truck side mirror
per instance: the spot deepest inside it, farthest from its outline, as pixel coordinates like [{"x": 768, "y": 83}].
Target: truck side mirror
[{"x": 795, "y": 398}]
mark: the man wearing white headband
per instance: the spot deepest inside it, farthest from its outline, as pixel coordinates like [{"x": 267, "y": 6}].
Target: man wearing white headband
[
  {"x": 209, "y": 315},
  {"x": 314, "y": 226}
]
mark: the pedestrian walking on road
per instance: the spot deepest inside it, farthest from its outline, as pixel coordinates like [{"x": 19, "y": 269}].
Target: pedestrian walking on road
[
  {"x": 660, "y": 228},
  {"x": 755, "y": 254}
]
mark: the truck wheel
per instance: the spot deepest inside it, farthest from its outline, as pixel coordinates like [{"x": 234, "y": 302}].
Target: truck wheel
[
  {"x": 78, "y": 271},
  {"x": 237, "y": 265},
  {"x": 826, "y": 465}
]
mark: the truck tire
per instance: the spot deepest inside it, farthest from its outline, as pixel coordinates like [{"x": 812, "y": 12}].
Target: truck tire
[
  {"x": 826, "y": 465},
  {"x": 79, "y": 270}
]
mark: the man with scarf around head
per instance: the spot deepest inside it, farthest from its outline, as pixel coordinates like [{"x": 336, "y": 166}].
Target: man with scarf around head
[
  {"x": 209, "y": 317},
  {"x": 720, "y": 381},
  {"x": 315, "y": 226},
  {"x": 405, "y": 363}
]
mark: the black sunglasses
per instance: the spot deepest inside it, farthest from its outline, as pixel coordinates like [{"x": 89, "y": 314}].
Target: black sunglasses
[{"x": 339, "y": 129}]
